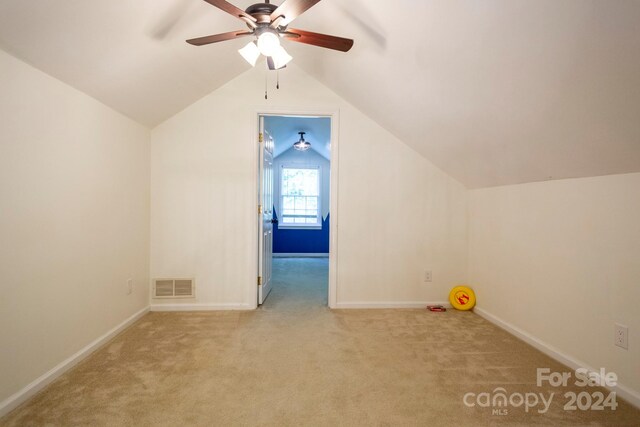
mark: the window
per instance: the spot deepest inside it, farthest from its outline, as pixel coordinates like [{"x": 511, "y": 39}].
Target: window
[{"x": 300, "y": 196}]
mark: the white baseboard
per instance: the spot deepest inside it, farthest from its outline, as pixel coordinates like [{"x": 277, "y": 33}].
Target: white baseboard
[
  {"x": 628, "y": 394},
  {"x": 293, "y": 255},
  {"x": 200, "y": 307},
  {"x": 390, "y": 304},
  {"x": 39, "y": 383}
]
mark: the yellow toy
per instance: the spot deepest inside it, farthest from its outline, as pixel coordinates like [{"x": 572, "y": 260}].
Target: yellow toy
[{"x": 462, "y": 298}]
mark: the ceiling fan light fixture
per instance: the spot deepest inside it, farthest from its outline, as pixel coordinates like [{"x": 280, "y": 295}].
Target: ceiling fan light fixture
[
  {"x": 250, "y": 53},
  {"x": 280, "y": 57},
  {"x": 267, "y": 23},
  {"x": 301, "y": 144},
  {"x": 268, "y": 43}
]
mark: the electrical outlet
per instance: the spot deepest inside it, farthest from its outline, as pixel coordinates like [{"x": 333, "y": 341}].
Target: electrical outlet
[
  {"x": 427, "y": 276},
  {"x": 129, "y": 286},
  {"x": 622, "y": 336}
]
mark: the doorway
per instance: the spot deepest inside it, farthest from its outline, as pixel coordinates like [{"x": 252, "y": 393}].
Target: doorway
[{"x": 297, "y": 189}]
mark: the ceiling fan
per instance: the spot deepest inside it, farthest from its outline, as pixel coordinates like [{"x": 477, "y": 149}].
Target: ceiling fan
[{"x": 268, "y": 23}]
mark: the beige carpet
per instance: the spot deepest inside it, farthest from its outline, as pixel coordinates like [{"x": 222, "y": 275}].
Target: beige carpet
[{"x": 295, "y": 362}]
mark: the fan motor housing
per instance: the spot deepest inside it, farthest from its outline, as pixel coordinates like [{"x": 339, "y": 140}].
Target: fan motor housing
[{"x": 262, "y": 12}]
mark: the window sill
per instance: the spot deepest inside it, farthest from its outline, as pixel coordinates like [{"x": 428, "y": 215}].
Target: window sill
[{"x": 299, "y": 227}]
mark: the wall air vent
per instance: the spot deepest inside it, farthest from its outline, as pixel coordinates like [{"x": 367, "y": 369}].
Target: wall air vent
[{"x": 174, "y": 288}]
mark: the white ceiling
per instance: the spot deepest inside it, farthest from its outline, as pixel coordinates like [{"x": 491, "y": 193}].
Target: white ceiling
[
  {"x": 284, "y": 131},
  {"x": 121, "y": 53},
  {"x": 493, "y": 92}
]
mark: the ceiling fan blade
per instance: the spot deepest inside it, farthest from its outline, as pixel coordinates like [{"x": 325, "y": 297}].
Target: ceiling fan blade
[
  {"x": 316, "y": 39},
  {"x": 218, "y": 37},
  {"x": 231, "y": 9},
  {"x": 290, "y": 10}
]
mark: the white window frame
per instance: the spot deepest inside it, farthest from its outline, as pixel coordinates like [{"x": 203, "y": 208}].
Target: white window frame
[{"x": 318, "y": 224}]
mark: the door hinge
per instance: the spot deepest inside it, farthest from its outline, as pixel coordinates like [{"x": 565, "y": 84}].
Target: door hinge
[
  {"x": 259, "y": 280},
  {"x": 260, "y": 137},
  {"x": 259, "y": 209}
]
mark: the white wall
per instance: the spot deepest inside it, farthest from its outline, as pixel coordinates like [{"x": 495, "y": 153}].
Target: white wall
[
  {"x": 74, "y": 219},
  {"x": 303, "y": 158},
  {"x": 561, "y": 261},
  {"x": 397, "y": 214}
]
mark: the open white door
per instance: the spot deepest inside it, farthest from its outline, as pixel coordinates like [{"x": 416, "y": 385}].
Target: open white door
[{"x": 265, "y": 212}]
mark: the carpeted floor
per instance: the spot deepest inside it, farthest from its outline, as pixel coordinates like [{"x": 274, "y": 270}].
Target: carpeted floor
[{"x": 295, "y": 362}]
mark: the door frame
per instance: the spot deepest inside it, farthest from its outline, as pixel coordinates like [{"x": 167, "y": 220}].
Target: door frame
[{"x": 334, "y": 115}]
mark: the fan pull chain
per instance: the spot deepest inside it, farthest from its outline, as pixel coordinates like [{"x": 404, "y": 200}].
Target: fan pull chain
[
  {"x": 266, "y": 78},
  {"x": 278, "y": 79}
]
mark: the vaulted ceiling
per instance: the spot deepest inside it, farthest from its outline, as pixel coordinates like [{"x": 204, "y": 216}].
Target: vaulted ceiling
[
  {"x": 493, "y": 92},
  {"x": 284, "y": 131}
]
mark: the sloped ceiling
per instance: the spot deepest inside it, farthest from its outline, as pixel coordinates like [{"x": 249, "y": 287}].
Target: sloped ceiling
[
  {"x": 494, "y": 92},
  {"x": 284, "y": 131},
  {"x": 129, "y": 54}
]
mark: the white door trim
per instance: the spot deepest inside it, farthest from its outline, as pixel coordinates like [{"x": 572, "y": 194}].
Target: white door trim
[{"x": 334, "y": 115}]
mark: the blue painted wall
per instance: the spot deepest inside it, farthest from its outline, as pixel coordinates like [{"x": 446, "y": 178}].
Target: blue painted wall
[{"x": 291, "y": 240}]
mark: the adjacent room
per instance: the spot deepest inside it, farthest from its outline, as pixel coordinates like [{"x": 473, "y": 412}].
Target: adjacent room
[
  {"x": 320, "y": 212},
  {"x": 300, "y": 215}
]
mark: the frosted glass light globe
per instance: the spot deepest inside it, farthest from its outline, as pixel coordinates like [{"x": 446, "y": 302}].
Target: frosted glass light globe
[
  {"x": 250, "y": 53},
  {"x": 268, "y": 43},
  {"x": 280, "y": 57}
]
